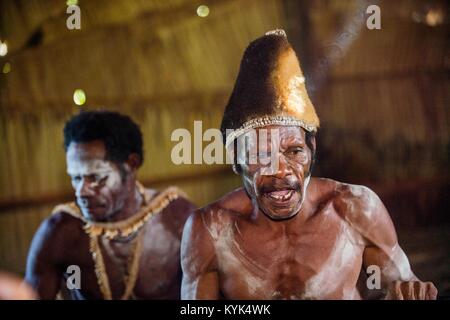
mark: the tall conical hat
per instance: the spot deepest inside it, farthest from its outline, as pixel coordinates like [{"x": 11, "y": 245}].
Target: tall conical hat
[{"x": 269, "y": 90}]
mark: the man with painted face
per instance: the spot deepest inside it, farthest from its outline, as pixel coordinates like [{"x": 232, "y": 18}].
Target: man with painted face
[
  {"x": 285, "y": 234},
  {"x": 118, "y": 240}
]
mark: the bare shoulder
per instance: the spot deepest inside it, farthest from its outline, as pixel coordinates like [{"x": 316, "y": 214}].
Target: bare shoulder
[
  {"x": 61, "y": 225},
  {"x": 203, "y": 228},
  {"x": 175, "y": 214},
  {"x": 357, "y": 203},
  {"x": 220, "y": 213},
  {"x": 57, "y": 232},
  {"x": 364, "y": 211}
]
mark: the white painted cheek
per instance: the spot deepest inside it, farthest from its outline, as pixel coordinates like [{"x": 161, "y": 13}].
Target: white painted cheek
[
  {"x": 74, "y": 167},
  {"x": 114, "y": 180},
  {"x": 253, "y": 182},
  {"x": 95, "y": 167}
]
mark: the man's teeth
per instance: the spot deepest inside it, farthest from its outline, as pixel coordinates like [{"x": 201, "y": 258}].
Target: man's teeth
[{"x": 281, "y": 195}]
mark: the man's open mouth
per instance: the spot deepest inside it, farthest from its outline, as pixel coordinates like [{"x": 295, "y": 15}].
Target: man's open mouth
[{"x": 280, "y": 195}]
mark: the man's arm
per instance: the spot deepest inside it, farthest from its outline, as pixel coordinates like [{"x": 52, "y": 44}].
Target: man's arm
[
  {"x": 13, "y": 288},
  {"x": 370, "y": 218},
  {"x": 43, "y": 272},
  {"x": 198, "y": 261}
]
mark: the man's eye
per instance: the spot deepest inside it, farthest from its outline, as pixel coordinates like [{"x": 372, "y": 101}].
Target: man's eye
[
  {"x": 76, "y": 179},
  {"x": 296, "y": 151},
  {"x": 102, "y": 179}
]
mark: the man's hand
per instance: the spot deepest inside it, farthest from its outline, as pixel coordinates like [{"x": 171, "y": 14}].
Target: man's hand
[{"x": 411, "y": 290}]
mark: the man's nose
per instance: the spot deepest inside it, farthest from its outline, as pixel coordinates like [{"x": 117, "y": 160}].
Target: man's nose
[
  {"x": 283, "y": 168},
  {"x": 84, "y": 190}
]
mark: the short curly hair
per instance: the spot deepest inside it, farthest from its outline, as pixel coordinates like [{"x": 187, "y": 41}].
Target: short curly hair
[{"x": 120, "y": 134}]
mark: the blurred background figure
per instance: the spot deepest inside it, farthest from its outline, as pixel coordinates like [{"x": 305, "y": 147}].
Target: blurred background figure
[
  {"x": 382, "y": 96},
  {"x": 14, "y": 288}
]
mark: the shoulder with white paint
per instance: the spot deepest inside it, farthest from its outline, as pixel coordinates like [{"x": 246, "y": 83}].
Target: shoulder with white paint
[
  {"x": 357, "y": 204},
  {"x": 197, "y": 244},
  {"x": 364, "y": 211},
  {"x": 217, "y": 215},
  {"x": 213, "y": 219}
]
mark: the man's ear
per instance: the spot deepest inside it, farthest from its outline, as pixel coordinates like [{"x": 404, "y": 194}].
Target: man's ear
[{"x": 134, "y": 161}]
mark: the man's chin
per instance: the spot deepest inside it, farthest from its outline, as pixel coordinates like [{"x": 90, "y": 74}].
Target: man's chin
[
  {"x": 95, "y": 214},
  {"x": 277, "y": 209},
  {"x": 280, "y": 213}
]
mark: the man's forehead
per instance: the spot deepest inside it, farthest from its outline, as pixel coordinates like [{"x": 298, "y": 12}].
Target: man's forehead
[
  {"x": 283, "y": 129},
  {"x": 86, "y": 150},
  {"x": 87, "y": 158},
  {"x": 268, "y": 136},
  {"x": 282, "y": 132},
  {"x": 88, "y": 166}
]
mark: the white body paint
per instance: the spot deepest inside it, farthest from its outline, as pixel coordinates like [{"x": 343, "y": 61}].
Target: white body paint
[
  {"x": 229, "y": 261},
  {"x": 398, "y": 267},
  {"x": 94, "y": 167},
  {"x": 322, "y": 284}
]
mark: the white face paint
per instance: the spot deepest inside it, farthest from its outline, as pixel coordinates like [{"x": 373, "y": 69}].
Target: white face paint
[
  {"x": 98, "y": 183},
  {"x": 101, "y": 172},
  {"x": 281, "y": 198}
]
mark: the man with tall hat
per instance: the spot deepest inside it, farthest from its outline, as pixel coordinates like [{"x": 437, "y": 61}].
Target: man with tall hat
[
  {"x": 286, "y": 234},
  {"x": 119, "y": 240}
]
